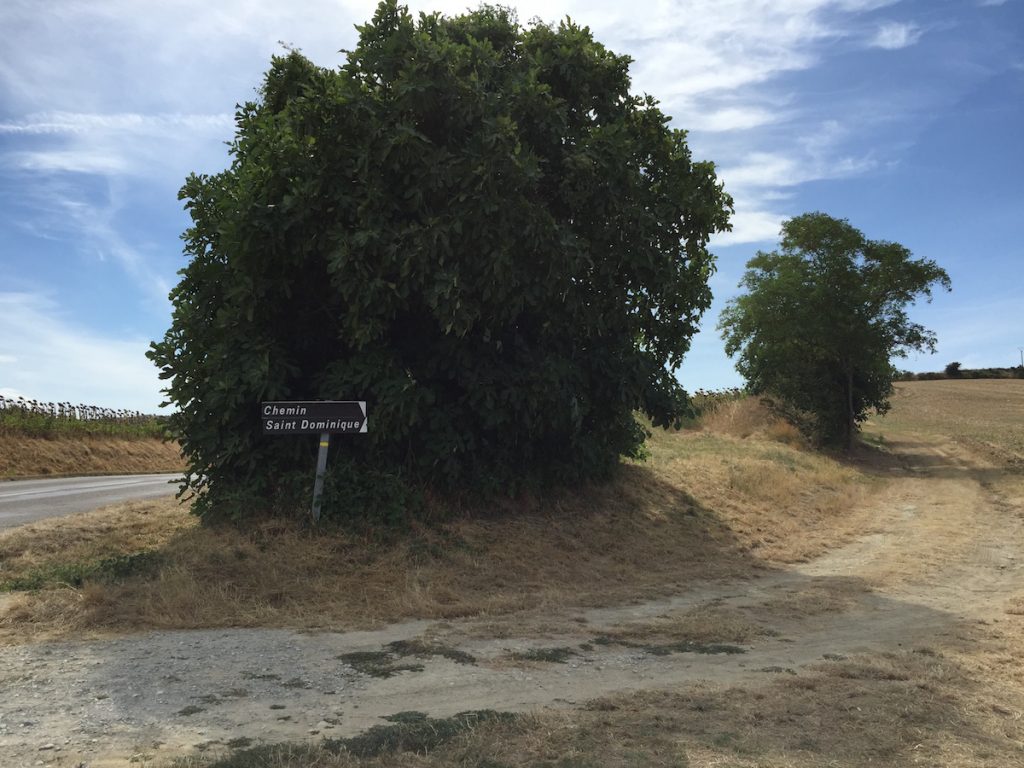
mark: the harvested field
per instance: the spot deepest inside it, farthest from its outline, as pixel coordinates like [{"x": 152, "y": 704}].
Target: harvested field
[{"x": 985, "y": 415}]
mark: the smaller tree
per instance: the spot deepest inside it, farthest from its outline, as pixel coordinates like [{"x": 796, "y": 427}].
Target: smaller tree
[
  {"x": 953, "y": 370},
  {"x": 823, "y": 318}
]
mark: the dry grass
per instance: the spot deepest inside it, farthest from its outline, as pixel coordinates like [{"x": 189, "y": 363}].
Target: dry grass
[
  {"x": 22, "y": 456},
  {"x": 784, "y": 504},
  {"x": 705, "y": 506},
  {"x": 125, "y": 528},
  {"x": 708, "y": 623},
  {"x": 986, "y": 415},
  {"x": 824, "y": 596}
]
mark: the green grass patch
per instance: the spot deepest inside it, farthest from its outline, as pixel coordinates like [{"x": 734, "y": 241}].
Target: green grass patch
[
  {"x": 426, "y": 650},
  {"x": 387, "y": 662},
  {"x": 664, "y": 649},
  {"x": 409, "y": 716},
  {"x": 550, "y": 655},
  {"x": 377, "y": 663},
  {"x": 408, "y": 732},
  {"x": 688, "y": 646},
  {"x": 107, "y": 569},
  {"x": 416, "y": 735}
]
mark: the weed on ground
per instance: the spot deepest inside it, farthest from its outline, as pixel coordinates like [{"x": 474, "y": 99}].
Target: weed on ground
[
  {"x": 549, "y": 655},
  {"x": 377, "y": 663},
  {"x": 411, "y": 733}
]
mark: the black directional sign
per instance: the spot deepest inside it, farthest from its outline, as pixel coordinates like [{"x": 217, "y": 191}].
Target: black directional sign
[{"x": 313, "y": 417}]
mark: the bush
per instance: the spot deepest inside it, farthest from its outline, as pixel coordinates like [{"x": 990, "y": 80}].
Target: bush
[{"x": 474, "y": 227}]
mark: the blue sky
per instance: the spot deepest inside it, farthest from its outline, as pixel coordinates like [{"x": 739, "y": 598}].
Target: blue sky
[{"x": 906, "y": 118}]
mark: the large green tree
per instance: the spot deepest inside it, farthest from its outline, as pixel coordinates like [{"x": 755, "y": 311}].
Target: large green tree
[
  {"x": 822, "y": 319},
  {"x": 472, "y": 225}
]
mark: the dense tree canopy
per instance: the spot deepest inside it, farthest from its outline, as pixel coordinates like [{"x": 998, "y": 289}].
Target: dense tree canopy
[
  {"x": 472, "y": 225},
  {"x": 824, "y": 316}
]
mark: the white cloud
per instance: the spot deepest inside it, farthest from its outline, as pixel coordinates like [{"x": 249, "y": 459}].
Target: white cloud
[
  {"x": 763, "y": 169},
  {"x": 132, "y": 144},
  {"x": 124, "y": 122},
  {"x": 727, "y": 119},
  {"x": 49, "y": 357},
  {"x": 92, "y": 160},
  {"x": 894, "y": 35},
  {"x": 760, "y": 180},
  {"x": 750, "y": 226}
]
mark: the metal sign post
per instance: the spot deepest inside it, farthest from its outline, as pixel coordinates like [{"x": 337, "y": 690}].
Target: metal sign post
[
  {"x": 323, "y": 417},
  {"x": 321, "y": 469}
]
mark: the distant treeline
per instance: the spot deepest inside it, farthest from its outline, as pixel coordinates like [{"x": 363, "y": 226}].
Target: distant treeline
[
  {"x": 35, "y": 418},
  {"x": 954, "y": 371}
]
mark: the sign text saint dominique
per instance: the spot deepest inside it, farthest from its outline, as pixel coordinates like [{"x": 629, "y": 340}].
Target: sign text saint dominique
[{"x": 313, "y": 417}]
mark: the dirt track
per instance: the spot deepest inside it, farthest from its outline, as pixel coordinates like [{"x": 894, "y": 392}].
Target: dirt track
[{"x": 944, "y": 555}]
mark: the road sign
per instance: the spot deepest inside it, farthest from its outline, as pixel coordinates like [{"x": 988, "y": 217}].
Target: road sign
[{"x": 314, "y": 417}]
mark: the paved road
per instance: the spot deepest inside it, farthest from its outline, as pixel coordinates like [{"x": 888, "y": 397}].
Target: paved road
[{"x": 25, "y": 501}]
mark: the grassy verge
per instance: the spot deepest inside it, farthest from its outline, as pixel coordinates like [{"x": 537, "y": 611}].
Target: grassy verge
[
  {"x": 706, "y": 505},
  {"x": 28, "y": 456}
]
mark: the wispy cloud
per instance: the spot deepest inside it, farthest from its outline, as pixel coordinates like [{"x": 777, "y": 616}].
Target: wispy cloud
[
  {"x": 50, "y": 357},
  {"x": 116, "y": 144},
  {"x": 98, "y": 161},
  {"x": 760, "y": 180},
  {"x": 125, "y": 122},
  {"x": 96, "y": 224},
  {"x": 895, "y": 35},
  {"x": 742, "y": 118},
  {"x": 89, "y": 220}
]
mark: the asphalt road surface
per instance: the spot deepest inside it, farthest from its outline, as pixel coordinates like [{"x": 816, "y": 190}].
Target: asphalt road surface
[{"x": 25, "y": 501}]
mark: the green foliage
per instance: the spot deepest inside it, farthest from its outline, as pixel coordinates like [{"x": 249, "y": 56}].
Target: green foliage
[
  {"x": 823, "y": 318},
  {"x": 953, "y": 370},
  {"x": 473, "y": 226},
  {"x": 108, "y": 569}
]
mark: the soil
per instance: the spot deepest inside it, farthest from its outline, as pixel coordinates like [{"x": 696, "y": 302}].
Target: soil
[{"x": 944, "y": 554}]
